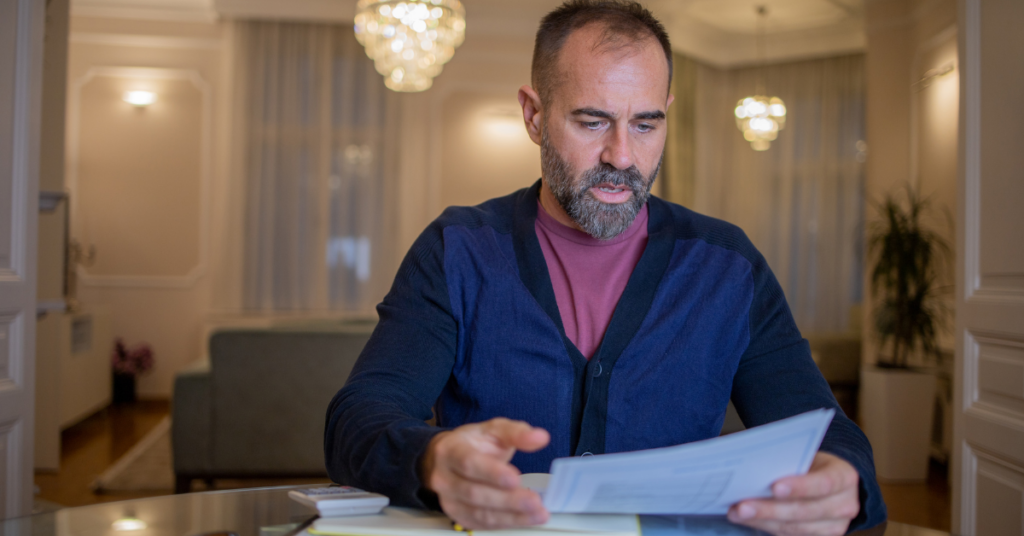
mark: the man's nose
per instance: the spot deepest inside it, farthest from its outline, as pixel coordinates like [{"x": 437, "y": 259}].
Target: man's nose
[{"x": 617, "y": 149}]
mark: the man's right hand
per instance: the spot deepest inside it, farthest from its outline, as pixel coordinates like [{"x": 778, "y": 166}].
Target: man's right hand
[{"x": 469, "y": 469}]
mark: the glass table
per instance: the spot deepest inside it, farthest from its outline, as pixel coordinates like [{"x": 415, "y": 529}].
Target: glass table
[{"x": 269, "y": 512}]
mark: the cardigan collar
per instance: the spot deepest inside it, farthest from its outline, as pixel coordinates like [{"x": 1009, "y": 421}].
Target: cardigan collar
[{"x": 629, "y": 313}]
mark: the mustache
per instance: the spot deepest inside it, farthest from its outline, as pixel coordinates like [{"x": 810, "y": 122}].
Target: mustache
[{"x": 607, "y": 174}]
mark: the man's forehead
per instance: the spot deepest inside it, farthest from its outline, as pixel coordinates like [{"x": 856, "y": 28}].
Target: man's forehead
[{"x": 597, "y": 71}]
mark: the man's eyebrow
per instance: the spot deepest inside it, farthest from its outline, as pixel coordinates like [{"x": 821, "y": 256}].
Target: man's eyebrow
[
  {"x": 593, "y": 112},
  {"x": 656, "y": 114}
]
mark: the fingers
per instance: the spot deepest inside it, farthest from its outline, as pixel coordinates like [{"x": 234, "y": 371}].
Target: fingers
[
  {"x": 517, "y": 434},
  {"x": 475, "y": 518},
  {"x": 468, "y": 469},
  {"x": 519, "y": 500},
  {"x": 829, "y": 475},
  {"x": 821, "y": 502},
  {"x": 467, "y": 463},
  {"x": 841, "y": 506}
]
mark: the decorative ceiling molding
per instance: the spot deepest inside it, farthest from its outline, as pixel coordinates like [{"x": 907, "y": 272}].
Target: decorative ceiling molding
[
  {"x": 309, "y": 10},
  {"x": 723, "y": 33}
]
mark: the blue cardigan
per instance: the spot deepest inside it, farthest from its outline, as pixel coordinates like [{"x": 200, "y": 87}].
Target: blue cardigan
[{"x": 471, "y": 330}]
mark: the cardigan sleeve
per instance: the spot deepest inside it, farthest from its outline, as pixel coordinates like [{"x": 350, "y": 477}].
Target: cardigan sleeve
[
  {"x": 375, "y": 432},
  {"x": 777, "y": 378}
]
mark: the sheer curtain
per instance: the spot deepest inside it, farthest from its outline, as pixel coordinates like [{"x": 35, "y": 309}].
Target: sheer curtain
[
  {"x": 312, "y": 121},
  {"x": 801, "y": 202}
]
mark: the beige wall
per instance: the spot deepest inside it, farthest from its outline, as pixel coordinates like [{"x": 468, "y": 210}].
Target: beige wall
[
  {"x": 463, "y": 140},
  {"x": 485, "y": 150},
  {"x": 911, "y": 127},
  {"x": 141, "y": 180}
]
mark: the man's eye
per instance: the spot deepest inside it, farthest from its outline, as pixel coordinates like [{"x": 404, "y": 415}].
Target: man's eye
[
  {"x": 645, "y": 127},
  {"x": 592, "y": 125}
]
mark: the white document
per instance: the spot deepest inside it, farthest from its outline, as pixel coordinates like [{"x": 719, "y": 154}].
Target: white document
[{"x": 704, "y": 477}]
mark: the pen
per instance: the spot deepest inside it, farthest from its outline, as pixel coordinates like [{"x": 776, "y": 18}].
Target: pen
[{"x": 303, "y": 526}]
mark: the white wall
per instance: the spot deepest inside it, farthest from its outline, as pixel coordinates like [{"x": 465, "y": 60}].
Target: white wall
[
  {"x": 911, "y": 130},
  {"x": 141, "y": 180}
]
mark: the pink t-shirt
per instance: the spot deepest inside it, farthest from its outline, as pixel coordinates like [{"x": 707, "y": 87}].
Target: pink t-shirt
[{"x": 588, "y": 275}]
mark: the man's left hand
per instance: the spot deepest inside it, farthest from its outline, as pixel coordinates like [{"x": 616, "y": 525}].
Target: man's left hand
[{"x": 822, "y": 502}]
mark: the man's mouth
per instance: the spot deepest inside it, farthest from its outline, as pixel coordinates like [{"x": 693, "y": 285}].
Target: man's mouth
[{"x": 611, "y": 193}]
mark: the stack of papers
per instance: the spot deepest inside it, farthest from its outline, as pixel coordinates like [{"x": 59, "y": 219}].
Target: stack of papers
[{"x": 704, "y": 477}]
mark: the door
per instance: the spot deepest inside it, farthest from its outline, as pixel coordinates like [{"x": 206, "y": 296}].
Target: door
[
  {"x": 988, "y": 470},
  {"x": 21, "y": 59}
]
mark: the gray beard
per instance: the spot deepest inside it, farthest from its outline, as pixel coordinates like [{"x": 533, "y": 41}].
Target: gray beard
[{"x": 598, "y": 219}]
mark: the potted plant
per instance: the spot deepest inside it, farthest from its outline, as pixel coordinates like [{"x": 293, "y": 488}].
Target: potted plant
[
  {"x": 127, "y": 364},
  {"x": 898, "y": 399}
]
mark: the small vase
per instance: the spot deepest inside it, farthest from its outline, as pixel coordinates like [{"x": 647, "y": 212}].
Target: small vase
[{"x": 124, "y": 388}]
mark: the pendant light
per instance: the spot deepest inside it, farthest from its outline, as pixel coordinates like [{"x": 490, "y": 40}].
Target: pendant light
[{"x": 759, "y": 117}]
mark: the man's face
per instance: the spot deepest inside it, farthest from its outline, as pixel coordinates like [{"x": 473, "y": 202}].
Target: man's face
[{"x": 604, "y": 130}]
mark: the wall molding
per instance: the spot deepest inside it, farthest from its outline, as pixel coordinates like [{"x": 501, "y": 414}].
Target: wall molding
[
  {"x": 147, "y": 41},
  {"x": 143, "y": 13},
  {"x": 206, "y": 139}
]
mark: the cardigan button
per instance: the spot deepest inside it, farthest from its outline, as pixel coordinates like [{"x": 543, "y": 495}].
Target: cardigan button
[{"x": 597, "y": 370}]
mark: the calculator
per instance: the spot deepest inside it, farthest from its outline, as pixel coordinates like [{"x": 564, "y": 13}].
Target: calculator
[{"x": 338, "y": 501}]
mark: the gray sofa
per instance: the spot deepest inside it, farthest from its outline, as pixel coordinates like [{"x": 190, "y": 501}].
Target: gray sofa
[
  {"x": 256, "y": 408},
  {"x": 838, "y": 357}
]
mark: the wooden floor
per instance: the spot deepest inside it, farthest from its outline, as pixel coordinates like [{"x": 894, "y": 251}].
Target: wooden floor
[
  {"x": 924, "y": 505},
  {"x": 93, "y": 445},
  {"x": 90, "y": 447}
]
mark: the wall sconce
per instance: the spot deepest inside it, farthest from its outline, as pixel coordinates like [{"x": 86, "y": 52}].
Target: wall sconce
[
  {"x": 140, "y": 99},
  {"x": 129, "y": 524}
]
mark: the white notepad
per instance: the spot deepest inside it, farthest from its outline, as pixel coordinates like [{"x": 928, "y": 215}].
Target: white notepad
[{"x": 410, "y": 522}]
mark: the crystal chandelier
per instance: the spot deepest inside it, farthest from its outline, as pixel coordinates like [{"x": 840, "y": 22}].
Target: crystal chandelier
[
  {"x": 760, "y": 118},
  {"x": 409, "y": 42}
]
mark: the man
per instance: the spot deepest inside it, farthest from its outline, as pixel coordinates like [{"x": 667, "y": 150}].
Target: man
[{"x": 608, "y": 320}]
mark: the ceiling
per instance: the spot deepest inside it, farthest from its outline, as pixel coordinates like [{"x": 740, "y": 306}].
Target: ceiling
[
  {"x": 719, "y": 32},
  {"x": 723, "y": 32}
]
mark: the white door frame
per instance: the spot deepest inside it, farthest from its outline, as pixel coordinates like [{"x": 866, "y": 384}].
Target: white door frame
[
  {"x": 20, "y": 113},
  {"x": 988, "y": 459}
]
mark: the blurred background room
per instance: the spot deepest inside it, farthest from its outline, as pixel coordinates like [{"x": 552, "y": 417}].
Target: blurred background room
[{"x": 231, "y": 185}]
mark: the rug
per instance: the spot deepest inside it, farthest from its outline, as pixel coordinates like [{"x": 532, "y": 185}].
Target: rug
[{"x": 146, "y": 467}]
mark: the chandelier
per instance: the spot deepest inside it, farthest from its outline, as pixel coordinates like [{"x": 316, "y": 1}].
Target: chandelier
[
  {"x": 759, "y": 117},
  {"x": 409, "y": 42}
]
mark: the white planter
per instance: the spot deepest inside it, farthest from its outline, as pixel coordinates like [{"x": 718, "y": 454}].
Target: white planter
[{"x": 896, "y": 409}]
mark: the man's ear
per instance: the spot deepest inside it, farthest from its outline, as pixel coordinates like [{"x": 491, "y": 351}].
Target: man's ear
[
  {"x": 533, "y": 113},
  {"x": 671, "y": 98}
]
